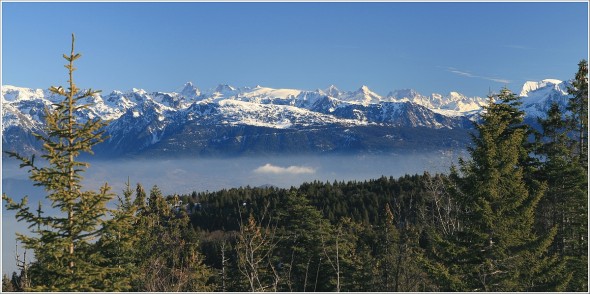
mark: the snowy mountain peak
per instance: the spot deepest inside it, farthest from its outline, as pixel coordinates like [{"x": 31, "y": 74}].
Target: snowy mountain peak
[
  {"x": 403, "y": 93},
  {"x": 12, "y": 93},
  {"x": 190, "y": 91},
  {"x": 530, "y": 86},
  {"x": 222, "y": 88},
  {"x": 140, "y": 119},
  {"x": 332, "y": 91},
  {"x": 456, "y": 96},
  {"x": 138, "y": 91},
  {"x": 361, "y": 96}
]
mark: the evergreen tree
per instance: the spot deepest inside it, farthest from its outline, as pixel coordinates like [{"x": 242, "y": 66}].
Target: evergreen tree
[
  {"x": 578, "y": 251},
  {"x": 562, "y": 148},
  {"x": 496, "y": 248},
  {"x": 7, "y": 285},
  {"x": 121, "y": 241},
  {"x": 62, "y": 243},
  {"x": 396, "y": 256},
  {"x": 578, "y": 107},
  {"x": 301, "y": 227},
  {"x": 169, "y": 257},
  {"x": 388, "y": 253}
]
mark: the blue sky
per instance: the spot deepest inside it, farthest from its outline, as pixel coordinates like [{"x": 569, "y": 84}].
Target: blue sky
[{"x": 430, "y": 47}]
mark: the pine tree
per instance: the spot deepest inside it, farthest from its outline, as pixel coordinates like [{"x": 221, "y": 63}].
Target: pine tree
[
  {"x": 169, "y": 259},
  {"x": 121, "y": 241},
  {"x": 300, "y": 227},
  {"x": 7, "y": 285},
  {"x": 397, "y": 269},
  {"x": 562, "y": 148},
  {"x": 578, "y": 251},
  {"x": 578, "y": 107},
  {"x": 62, "y": 244},
  {"x": 388, "y": 253},
  {"x": 496, "y": 248}
]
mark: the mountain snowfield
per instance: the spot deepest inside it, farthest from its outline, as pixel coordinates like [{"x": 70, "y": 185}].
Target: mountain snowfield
[{"x": 139, "y": 120}]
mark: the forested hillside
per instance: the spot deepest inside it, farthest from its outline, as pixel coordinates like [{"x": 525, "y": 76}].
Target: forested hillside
[{"x": 511, "y": 217}]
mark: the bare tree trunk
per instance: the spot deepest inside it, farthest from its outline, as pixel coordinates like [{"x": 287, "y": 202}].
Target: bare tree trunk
[
  {"x": 223, "y": 262},
  {"x": 335, "y": 265}
]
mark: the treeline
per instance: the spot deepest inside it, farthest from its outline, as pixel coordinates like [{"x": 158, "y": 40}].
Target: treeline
[
  {"x": 353, "y": 236},
  {"x": 512, "y": 217}
]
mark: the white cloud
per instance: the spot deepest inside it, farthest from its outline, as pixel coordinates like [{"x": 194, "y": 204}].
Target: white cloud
[
  {"x": 294, "y": 170},
  {"x": 470, "y": 75},
  {"x": 462, "y": 73}
]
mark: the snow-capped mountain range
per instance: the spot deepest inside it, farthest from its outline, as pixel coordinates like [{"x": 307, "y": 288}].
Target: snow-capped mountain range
[{"x": 250, "y": 118}]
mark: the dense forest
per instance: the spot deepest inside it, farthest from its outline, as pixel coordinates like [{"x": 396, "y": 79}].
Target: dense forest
[{"x": 511, "y": 217}]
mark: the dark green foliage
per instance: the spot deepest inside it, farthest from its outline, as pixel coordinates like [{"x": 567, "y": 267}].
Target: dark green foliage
[
  {"x": 496, "y": 248},
  {"x": 62, "y": 240},
  {"x": 316, "y": 248},
  {"x": 120, "y": 242},
  {"x": 511, "y": 218},
  {"x": 299, "y": 250},
  {"x": 578, "y": 107},
  {"x": 7, "y": 285},
  {"x": 562, "y": 148},
  {"x": 168, "y": 256}
]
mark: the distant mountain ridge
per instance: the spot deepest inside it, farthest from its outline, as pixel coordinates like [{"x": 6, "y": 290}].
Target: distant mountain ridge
[{"x": 227, "y": 120}]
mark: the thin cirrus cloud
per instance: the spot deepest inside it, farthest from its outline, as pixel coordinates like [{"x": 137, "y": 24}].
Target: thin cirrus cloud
[
  {"x": 278, "y": 170},
  {"x": 470, "y": 75}
]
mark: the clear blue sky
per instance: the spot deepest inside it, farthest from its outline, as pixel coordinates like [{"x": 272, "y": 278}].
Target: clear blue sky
[{"x": 431, "y": 47}]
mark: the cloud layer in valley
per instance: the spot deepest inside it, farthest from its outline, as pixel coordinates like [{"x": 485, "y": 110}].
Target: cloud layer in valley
[{"x": 294, "y": 170}]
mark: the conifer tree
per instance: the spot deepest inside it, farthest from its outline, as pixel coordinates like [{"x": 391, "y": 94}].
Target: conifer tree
[
  {"x": 169, "y": 258},
  {"x": 121, "y": 241},
  {"x": 578, "y": 251},
  {"x": 562, "y": 148},
  {"x": 62, "y": 243},
  {"x": 7, "y": 285},
  {"x": 496, "y": 248},
  {"x": 301, "y": 226},
  {"x": 578, "y": 107},
  {"x": 388, "y": 253}
]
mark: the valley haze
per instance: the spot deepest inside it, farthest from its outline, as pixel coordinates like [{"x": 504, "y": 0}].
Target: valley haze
[{"x": 411, "y": 80}]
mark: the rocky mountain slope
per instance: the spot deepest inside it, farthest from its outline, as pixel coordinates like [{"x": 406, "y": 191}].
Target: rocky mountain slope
[{"x": 231, "y": 121}]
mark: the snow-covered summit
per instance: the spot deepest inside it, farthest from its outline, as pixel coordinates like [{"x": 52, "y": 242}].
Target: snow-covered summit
[
  {"x": 531, "y": 86},
  {"x": 141, "y": 119},
  {"x": 537, "y": 97},
  {"x": 29, "y": 103},
  {"x": 332, "y": 91},
  {"x": 190, "y": 91},
  {"x": 454, "y": 104},
  {"x": 362, "y": 96}
]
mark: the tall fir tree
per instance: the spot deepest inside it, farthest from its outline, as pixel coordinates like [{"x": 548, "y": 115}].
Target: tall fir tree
[
  {"x": 562, "y": 149},
  {"x": 578, "y": 107},
  {"x": 121, "y": 241},
  {"x": 388, "y": 253},
  {"x": 395, "y": 258},
  {"x": 7, "y": 285},
  {"x": 299, "y": 248},
  {"x": 496, "y": 248},
  {"x": 62, "y": 242},
  {"x": 169, "y": 259}
]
